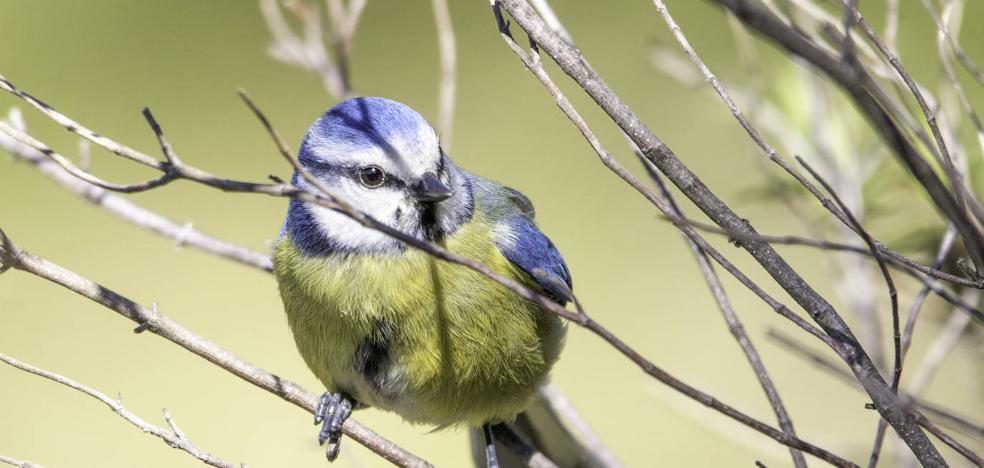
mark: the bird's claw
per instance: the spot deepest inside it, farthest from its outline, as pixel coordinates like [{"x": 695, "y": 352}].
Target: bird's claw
[{"x": 333, "y": 410}]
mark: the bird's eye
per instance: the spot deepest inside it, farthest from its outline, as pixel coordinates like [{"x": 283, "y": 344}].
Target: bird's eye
[{"x": 372, "y": 176}]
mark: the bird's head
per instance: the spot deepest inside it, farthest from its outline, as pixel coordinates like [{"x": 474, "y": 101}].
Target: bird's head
[{"x": 384, "y": 159}]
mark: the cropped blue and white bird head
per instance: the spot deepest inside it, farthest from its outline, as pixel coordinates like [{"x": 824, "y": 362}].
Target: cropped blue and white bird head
[{"x": 384, "y": 158}]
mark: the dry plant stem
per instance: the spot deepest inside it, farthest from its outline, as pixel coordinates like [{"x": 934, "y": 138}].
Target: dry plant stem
[
  {"x": 864, "y": 91},
  {"x": 309, "y": 52},
  {"x": 281, "y": 189},
  {"x": 152, "y": 320},
  {"x": 893, "y": 297},
  {"x": 944, "y": 343},
  {"x": 847, "y": 346},
  {"x": 771, "y": 152},
  {"x": 446, "y": 92},
  {"x": 579, "y": 317},
  {"x": 174, "y": 439},
  {"x": 71, "y": 168},
  {"x": 894, "y": 258},
  {"x": 344, "y": 20},
  {"x": 521, "y": 447},
  {"x": 891, "y": 23},
  {"x": 912, "y": 401},
  {"x": 324, "y": 198},
  {"x": 547, "y": 12},
  {"x": 950, "y": 417},
  {"x": 559, "y": 404},
  {"x": 949, "y": 72},
  {"x": 960, "y": 190},
  {"x": 533, "y": 64},
  {"x": 734, "y": 323},
  {"x": 924, "y": 274},
  {"x": 914, "y": 311},
  {"x": 733, "y": 106},
  {"x": 185, "y": 235},
  {"x": 951, "y": 442},
  {"x": 958, "y": 51},
  {"x": 181, "y": 234},
  {"x": 19, "y": 463}
]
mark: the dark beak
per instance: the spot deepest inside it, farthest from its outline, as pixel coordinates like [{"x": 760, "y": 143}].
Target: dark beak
[{"x": 430, "y": 189}]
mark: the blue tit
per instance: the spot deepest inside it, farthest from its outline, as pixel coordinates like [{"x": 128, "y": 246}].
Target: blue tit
[{"x": 387, "y": 326}]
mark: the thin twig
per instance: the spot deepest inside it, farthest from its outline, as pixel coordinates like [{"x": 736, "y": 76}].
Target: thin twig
[
  {"x": 560, "y": 405},
  {"x": 575, "y": 65},
  {"x": 909, "y": 401},
  {"x": 941, "y": 346},
  {"x": 324, "y": 198},
  {"x": 19, "y": 463},
  {"x": 533, "y": 64},
  {"x": 893, "y": 297},
  {"x": 446, "y": 92},
  {"x": 960, "y": 191},
  {"x": 951, "y": 39},
  {"x": 731, "y": 318},
  {"x": 181, "y": 234},
  {"x": 150, "y": 319},
  {"x": 869, "y": 99},
  {"x": 526, "y": 451},
  {"x": 910, "y": 323},
  {"x": 174, "y": 439}
]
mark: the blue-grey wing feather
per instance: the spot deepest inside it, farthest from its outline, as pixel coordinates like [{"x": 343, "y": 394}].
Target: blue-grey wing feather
[{"x": 519, "y": 239}]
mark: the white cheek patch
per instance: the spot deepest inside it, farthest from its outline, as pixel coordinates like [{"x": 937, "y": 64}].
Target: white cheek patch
[{"x": 382, "y": 204}]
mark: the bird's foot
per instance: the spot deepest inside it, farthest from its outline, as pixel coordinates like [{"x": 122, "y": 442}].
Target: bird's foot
[
  {"x": 333, "y": 410},
  {"x": 492, "y": 461}
]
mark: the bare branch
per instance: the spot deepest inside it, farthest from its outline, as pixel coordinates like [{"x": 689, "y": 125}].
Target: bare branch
[
  {"x": 893, "y": 297},
  {"x": 561, "y": 406},
  {"x": 731, "y": 318},
  {"x": 572, "y": 63},
  {"x": 446, "y": 92},
  {"x": 867, "y": 95},
  {"x": 941, "y": 346},
  {"x": 19, "y": 463},
  {"x": 533, "y": 64},
  {"x": 174, "y": 439},
  {"x": 547, "y": 12},
  {"x": 181, "y": 234},
  {"x": 828, "y": 365},
  {"x": 910, "y": 322},
  {"x": 949, "y": 417},
  {"x": 309, "y": 52},
  {"x": 159, "y": 324},
  {"x": 150, "y": 319}
]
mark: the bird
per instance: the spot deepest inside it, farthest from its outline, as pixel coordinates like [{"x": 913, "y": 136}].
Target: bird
[{"x": 384, "y": 325}]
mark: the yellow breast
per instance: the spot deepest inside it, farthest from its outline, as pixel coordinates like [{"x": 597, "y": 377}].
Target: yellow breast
[{"x": 451, "y": 346}]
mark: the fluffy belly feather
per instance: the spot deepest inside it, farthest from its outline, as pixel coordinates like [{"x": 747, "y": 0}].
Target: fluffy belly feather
[{"x": 434, "y": 342}]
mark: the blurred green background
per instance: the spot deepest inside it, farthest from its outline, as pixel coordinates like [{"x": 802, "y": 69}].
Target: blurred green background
[{"x": 101, "y": 61}]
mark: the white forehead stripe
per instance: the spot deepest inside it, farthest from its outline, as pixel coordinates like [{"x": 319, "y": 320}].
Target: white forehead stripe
[{"x": 413, "y": 156}]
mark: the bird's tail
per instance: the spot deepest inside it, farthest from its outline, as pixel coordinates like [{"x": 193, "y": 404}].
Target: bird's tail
[{"x": 552, "y": 428}]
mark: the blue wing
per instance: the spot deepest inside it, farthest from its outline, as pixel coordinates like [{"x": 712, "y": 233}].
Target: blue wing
[{"x": 529, "y": 249}]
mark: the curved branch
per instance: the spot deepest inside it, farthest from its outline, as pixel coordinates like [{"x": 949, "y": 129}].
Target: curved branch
[
  {"x": 176, "y": 439},
  {"x": 148, "y": 318},
  {"x": 822, "y": 312}
]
